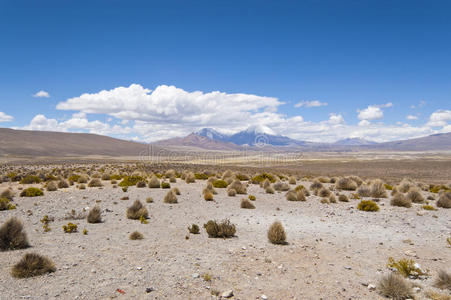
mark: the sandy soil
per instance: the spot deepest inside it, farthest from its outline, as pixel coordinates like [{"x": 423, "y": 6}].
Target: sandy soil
[{"x": 334, "y": 250}]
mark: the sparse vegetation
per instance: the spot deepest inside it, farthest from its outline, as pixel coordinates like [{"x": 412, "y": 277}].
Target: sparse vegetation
[
  {"x": 131, "y": 180},
  {"x": 443, "y": 280},
  {"x": 94, "y": 215},
  {"x": 346, "y": 183},
  {"x": 165, "y": 185},
  {"x": 31, "y": 192},
  {"x": 137, "y": 210},
  {"x": 136, "y": 235},
  {"x": 395, "y": 287},
  {"x": 444, "y": 200},
  {"x": 170, "y": 198},
  {"x": 194, "y": 229},
  {"x": 276, "y": 233},
  {"x": 414, "y": 195},
  {"x": 95, "y": 182},
  {"x": 12, "y": 235},
  {"x": 405, "y": 267},
  {"x": 245, "y": 203},
  {"x": 70, "y": 228},
  {"x": 238, "y": 187},
  {"x": 399, "y": 199},
  {"x": 367, "y": 205},
  {"x": 261, "y": 177},
  {"x": 224, "y": 229},
  {"x": 31, "y": 265}
]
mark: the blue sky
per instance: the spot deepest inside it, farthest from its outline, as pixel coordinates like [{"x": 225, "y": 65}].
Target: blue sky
[{"x": 313, "y": 70}]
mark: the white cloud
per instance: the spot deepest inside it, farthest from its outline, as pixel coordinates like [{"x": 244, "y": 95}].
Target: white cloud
[
  {"x": 42, "y": 94},
  {"x": 388, "y": 104},
  {"x": 411, "y": 117},
  {"x": 364, "y": 123},
  {"x": 439, "y": 118},
  {"x": 314, "y": 103},
  {"x": 372, "y": 112},
  {"x": 5, "y": 118},
  {"x": 336, "y": 119}
]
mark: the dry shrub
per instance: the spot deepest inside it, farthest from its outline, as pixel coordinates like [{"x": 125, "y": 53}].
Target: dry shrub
[
  {"x": 238, "y": 187},
  {"x": 82, "y": 186},
  {"x": 62, "y": 184},
  {"x": 346, "y": 183},
  {"x": 31, "y": 265},
  {"x": 437, "y": 296},
  {"x": 154, "y": 183},
  {"x": 394, "y": 190},
  {"x": 170, "y": 198},
  {"x": 276, "y": 233},
  {"x": 169, "y": 173},
  {"x": 190, "y": 177},
  {"x": 225, "y": 229},
  {"x": 343, "y": 198},
  {"x": 356, "y": 179},
  {"x": 94, "y": 215},
  {"x": 323, "y": 179},
  {"x": 137, "y": 210},
  {"x": 332, "y": 198},
  {"x": 149, "y": 200},
  {"x": 316, "y": 185},
  {"x": 377, "y": 189},
  {"x": 136, "y": 235},
  {"x": 208, "y": 196},
  {"x": 141, "y": 184},
  {"x": 414, "y": 195},
  {"x": 82, "y": 179},
  {"x": 294, "y": 195},
  {"x": 323, "y": 192},
  {"x": 209, "y": 188},
  {"x": 227, "y": 174},
  {"x": 400, "y": 200},
  {"x": 172, "y": 179},
  {"x": 292, "y": 180},
  {"x": 395, "y": 287},
  {"x": 176, "y": 191},
  {"x": 231, "y": 192},
  {"x": 8, "y": 194},
  {"x": 325, "y": 201},
  {"x": 95, "y": 182},
  {"x": 269, "y": 190},
  {"x": 444, "y": 200},
  {"x": 12, "y": 235},
  {"x": 193, "y": 229},
  {"x": 443, "y": 280},
  {"x": 245, "y": 203},
  {"x": 165, "y": 185},
  {"x": 265, "y": 183},
  {"x": 52, "y": 186},
  {"x": 405, "y": 185},
  {"x": 281, "y": 186}
]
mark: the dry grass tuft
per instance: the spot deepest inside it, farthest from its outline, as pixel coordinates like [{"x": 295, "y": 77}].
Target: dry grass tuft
[
  {"x": 377, "y": 189},
  {"x": 8, "y": 194},
  {"x": 176, "y": 191},
  {"x": 399, "y": 199},
  {"x": 444, "y": 200},
  {"x": 316, "y": 185},
  {"x": 137, "y": 210},
  {"x": 281, "y": 186},
  {"x": 343, "y": 198},
  {"x": 276, "y": 233},
  {"x": 52, "y": 186},
  {"x": 12, "y": 235},
  {"x": 136, "y": 235},
  {"x": 245, "y": 203},
  {"x": 170, "y": 198},
  {"x": 346, "y": 183},
  {"x": 208, "y": 196},
  {"x": 292, "y": 180},
  {"x": 63, "y": 184},
  {"x": 95, "y": 183},
  {"x": 443, "y": 280},
  {"x": 225, "y": 229},
  {"x": 324, "y": 192},
  {"x": 94, "y": 215},
  {"x": 269, "y": 190},
  {"x": 31, "y": 265},
  {"x": 364, "y": 191},
  {"x": 231, "y": 192},
  {"x": 414, "y": 195},
  {"x": 154, "y": 182},
  {"x": 190, "y": 177},
  {"x": 238, "y": 187},
  {"x": 193, "y": 229},
  {"x": 395, "y": 287}
]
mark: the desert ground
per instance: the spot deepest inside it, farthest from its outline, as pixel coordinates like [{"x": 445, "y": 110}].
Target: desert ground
[{"x": 333, "y": 250}]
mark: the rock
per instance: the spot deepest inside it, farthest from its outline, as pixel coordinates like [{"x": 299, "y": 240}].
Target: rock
[
  {"x": 348, "y": 268},
  {"x": 227, "y": 294},
  {"x": 150, "y": 289},
  {"x": 263, "y": 297},
  {"x": 410, "y": 253},
  {"x": 371, "y": 287},
  {"x": 195, "y": 275},
  {"x": 416, "y": 289}
]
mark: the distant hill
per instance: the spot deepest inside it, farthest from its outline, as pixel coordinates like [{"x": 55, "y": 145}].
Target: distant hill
[
  {"x": 195, "y": 141},
  {"x": 47, "y": 143},
  {"x": 441, "y": 141},
  {"x": 354, "y": 142}
]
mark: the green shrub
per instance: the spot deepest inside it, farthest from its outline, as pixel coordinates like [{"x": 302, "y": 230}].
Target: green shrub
[
  {"x": 388, "y": 187},
  {"x": 31, "y": 192},
  {"x": 12, "y": 235},
  {"x": 29, "y": 179},
  {"x": 165, "y": 185},
  {"x": 220, "y": 184},
  {"x": 125, "y": 189},
  {"x": 367, "y": 205},
  {"x": 261, "y": 177},
  {"x": 6, "y": 205},
  {"x": 201, "y": 176},
  {"x": 131, "y": 180},
  {"x": 225, "y": 229},
  {"x": 252, "y": 198},
  {"x": 74, "y": 178},
  {"x": 428, "y": 207},
  {"x": 31, "y": 265},
  {"x": 70, "y": 228},
  {"x": 405, "y": 267}
]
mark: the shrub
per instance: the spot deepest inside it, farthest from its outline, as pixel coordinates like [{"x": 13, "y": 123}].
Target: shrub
[
  {"x": 343, "y": 198},
  {"x": 378, "y": 189},
  {"x": 367, "y": 205},
  {"x": 294, "y": 195},
  {"x": 149, "y": 200},
  {"x": 220, "y": 184},
  {"x": 405, "y": 267},
  {"x": 8, "y": 194},
  {"x": 31, "y": 265},
  {"x": 269, "y": 190},
  {"x": 414, "y": 195},
  {"x": 52, "y": 186},
  {"x": 444, "y": 200},
  {"x": 190, "y": 178},
  {"x": 364, "y": 191},
  {"x": 292, "y": 180},
  {"x": 231, "y": 192},
  {"x": 62, "y": 184},
  {"x": 325, "y": 201},
  {"x": 208, "y": 196},
  {"x": 170, "y": 198},
  {"x": 125, "y": 189},
  {"x": 238, "y": 187},
  {"x": 316, "y": 185},
  {"x": 261, "y": 177},
  {"x": 165, "y": 185},
  {"x": 400, "y": 200},
  {"x": 73, "y": 215},
  {"x": 136, "y": 235},
  {"x": 225, "y": 229},
  {"x": 106, "y": 177},
  {"x": 324, "y": 192},
  {"x": 209, "y": 189},
  {"x": 252, "y": 197},
  {"x": 172, "y": 179},
  {"x": 31, "y": 192},
  {"x": 443, "y": 280},
  {"x": 194, "y": 229},
  {"x": 265, "y": 183},
  {"x": 276, "y": 233},
  {"x": 137, "y": 210},
  {"x": 169, "y": 173},
  {"x": 245, "y": 203},
  {"x": 281, "y": 186},
  {"x": 241, "y": 177},
  {"x": 395, "y": 287},
  {"x": 82, "y": 187},
  {"x": 94, "y": 215},
  {"x": 12, "y": 235},
  {"x": 141, "y": 184},
  {"x": 82, "y": 179},
  {"x": 332, "y": 198},
  {"x": 176, "y": 191},
  {"x": 6, "y": 205},
  {"x": 131, "y": 180},
  {"x": 346, "y": 183},
  {"x": 29, "y": 179},
  {"x": 428, "y": 207},
  {"x": 201, "y": 176},
  {"x": 154, "y": 183},
  {"x": 70, "y": 228}
]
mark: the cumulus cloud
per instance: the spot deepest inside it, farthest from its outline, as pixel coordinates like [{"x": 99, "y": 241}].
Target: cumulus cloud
[
  {"x": 372, "y": 112},
  {"x": 5, "y": 118},
  {"x": 439, "y": 118},
  {"x": 314, "y": 103},
  {"x": 411, "y": 117},
  {"x": 42, "y": 94},
  {"x": 336, "y": 119}
]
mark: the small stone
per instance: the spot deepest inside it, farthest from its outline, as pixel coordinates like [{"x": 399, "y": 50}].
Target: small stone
[
  {"x": 410, "y": 253},
  {"x": 416, "y": 289},
  {"x": 371, "y": 287},
  {"x": 93, "y": 270},
  {"x": 149, "y": 289},
  {"x": 264, "y": 297},
  {"x": 196, "y": 275},
  {"x": 348, "y": 268},
  {"x": 139, "y": 268},
  {"x": 227, "y": 294}
]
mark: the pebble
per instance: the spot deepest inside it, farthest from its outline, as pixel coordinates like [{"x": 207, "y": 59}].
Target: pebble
[
  {"x": 348, "y": 268},
  {"x": 195, "y": 275},
  {"x": 371, "y": 287},
  {"x": 227, "y": 294},
  {"x": 264, "y": 297}
]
